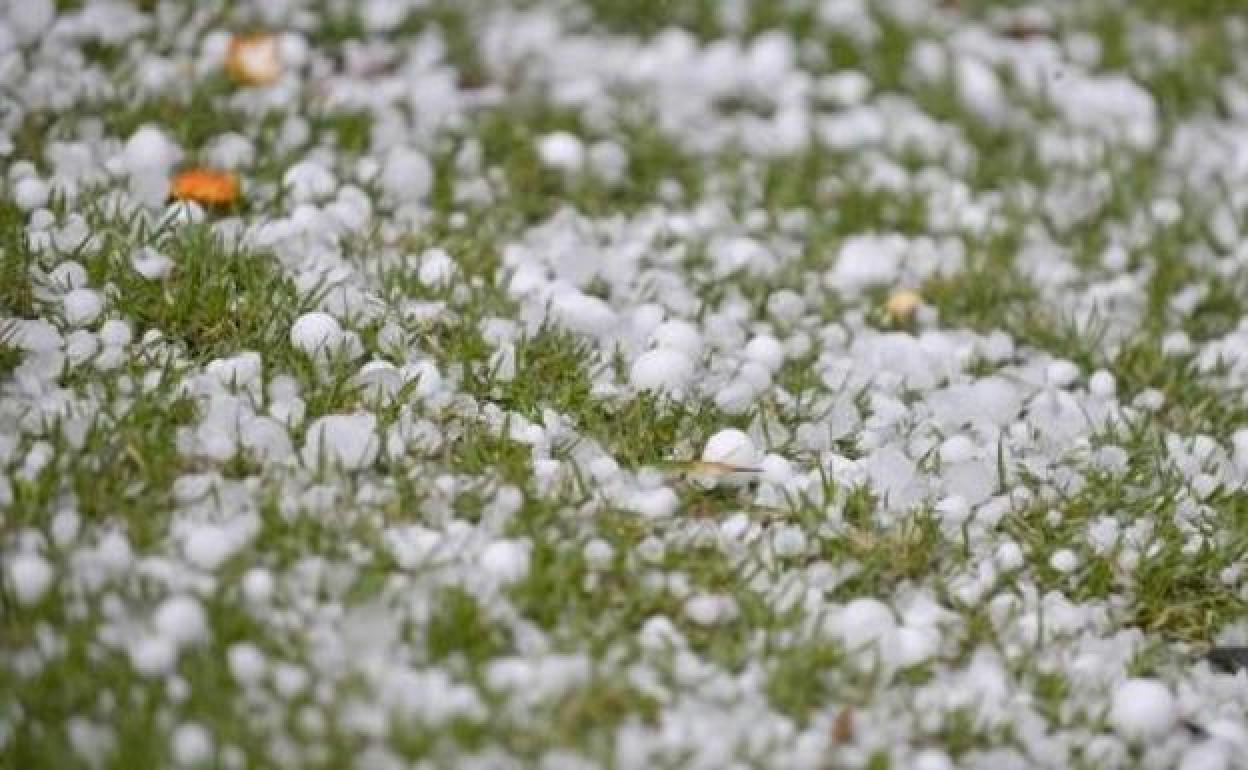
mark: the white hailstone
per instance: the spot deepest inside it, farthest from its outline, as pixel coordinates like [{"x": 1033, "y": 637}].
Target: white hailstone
[
  {"x": 506, "y": 560},
  {"x": 181, "y": 619},
  {"x": 776, "y": 469},
  {"x": 661, "y": 369},
  {"x": 349, "y": 441},
  {"x": 1150, "y": 400},
  {"x": 562, "y": 151},
  {"x": 980, "y": 91},
  {"x": 731, "y": 447},
  {"x": 766, "y": 350},
  {"x": 68, "y": 275},
  {"x": 406, "y": 175},
  {"x": 1102, "y": 385},
  {"x": 382, "y": 15},
  {"x": 1142, "y": 709},
  {"x": 30, "y": 193},
  {"x": 115, "y": 333},
  {"x": 1231, "y": 733},
  {"x": 230, "y": 151},
  {"x": 931, "y": 759},
  {"x": 608, "y": 160},
  {"x": 80, "y": 346},
  {"x": 865, "y": 621},
  {"x": 437, "y": 269},
  {"x": 599, "y": 554},
  {"x": 788, "y": 541},
  {"x": 191, "y": 744},
  {"x": 379, "y": 379},
  {"x": 953, "y": 510},
  {"x": 65, "y": 527},
  {"x": 582, "y": 313},
  {"x": 152, "y": 655},
  {"x": 207, "y": 547},
  {"x": 1009, "y": 556},
  {"x": 1061, "y": 374},
  {"x": 114, "y": 552},
  {"x": 846, "y": 88},
  {"x": 151, "y": 264},
  {"x": 29, "y": 20},
  {"x": 1176, "y": 343},
  {"x": 257, "y": 585},
  {"x": 247, "y": 663},
  {"x": 786, "y": 306},
  {"x": 912, "y": 646},
  {"x": 731, "y": 254},
  {"x": 266, "y": 438},
  {"x": 90, "y": 740},
  {"x": 309, "y": 181},
  {"x": 1115, "y": 258},
  {"x": 678, "y": 335},
  {"x": 736, "y": 397},
  {"x": 30, "y": 576},
  {"x": 865, "y": 261},
  {"x": 1064, "y": 560},
  {"x": 1239, "y": 448},
  {"x": 735, "y": 527},
  {"x": 426, "y": 376},
  {"x": 708, "y": 610},
  {"x": 654, "y": 503},
  {"x": 316, "y": 333},
  {"x": 956, "y": 449},
  {"x": 645, "y": 318},
  {"x": 82, "y": 306},
  {"x": 149, "y": 152},
  {"x": 1205, "y": 756}
]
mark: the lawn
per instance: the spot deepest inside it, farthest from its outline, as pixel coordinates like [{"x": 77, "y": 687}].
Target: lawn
[{"x": 579, "y": 384}]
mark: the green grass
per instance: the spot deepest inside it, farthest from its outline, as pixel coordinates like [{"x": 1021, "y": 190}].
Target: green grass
[{"x": 118, "y": 467}]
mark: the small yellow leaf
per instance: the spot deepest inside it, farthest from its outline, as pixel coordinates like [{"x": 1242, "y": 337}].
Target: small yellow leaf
[
  {"x": 902, "y": 305},
  {"x": 254, "y": 60}
]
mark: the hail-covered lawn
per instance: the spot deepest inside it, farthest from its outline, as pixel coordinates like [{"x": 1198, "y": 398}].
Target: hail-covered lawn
[{"x": 623, "y": 384}]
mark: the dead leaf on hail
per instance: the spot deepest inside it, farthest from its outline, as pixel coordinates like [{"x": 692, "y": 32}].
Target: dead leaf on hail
[
  {"x": 206, "y": 187},
  {"x": 843, "y": 727},
  {"x": 902, "y": 305},
  {"x": 254, "y": 60}
]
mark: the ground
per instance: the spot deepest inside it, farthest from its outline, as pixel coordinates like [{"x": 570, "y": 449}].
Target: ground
[{"x": 623, "y": 384}]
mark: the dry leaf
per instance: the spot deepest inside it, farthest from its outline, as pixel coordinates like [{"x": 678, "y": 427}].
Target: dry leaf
[
  {"x": 902, "y": 305},
  {"x": 254, "y": 60},
  {"x": 206, "y": 187},
  {"x": 843, "y": 727}
]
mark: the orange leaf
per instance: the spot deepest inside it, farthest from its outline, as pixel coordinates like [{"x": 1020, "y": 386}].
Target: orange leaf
[{"x": 206, "y": 187}]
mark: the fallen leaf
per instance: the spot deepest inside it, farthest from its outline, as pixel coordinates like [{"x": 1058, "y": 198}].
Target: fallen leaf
[
  {"x": 254, "y": 60},
  {"x": 206, "y": 187},
  {"x": 902, "y": 305},
  {"x": 843, "y": 727}
]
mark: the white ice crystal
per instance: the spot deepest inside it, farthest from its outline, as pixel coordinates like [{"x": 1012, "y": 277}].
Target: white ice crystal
[
  {"x": 663, "y": 369},
  {"x": 731, "y": 447},
  {"x": 316, "y": 334},
  {"x": 30, "y": 577},
  {"x": 349, "y": 441},
  {"x": 506, "y": 560},
  {"x": 1142, "y": 709}
]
